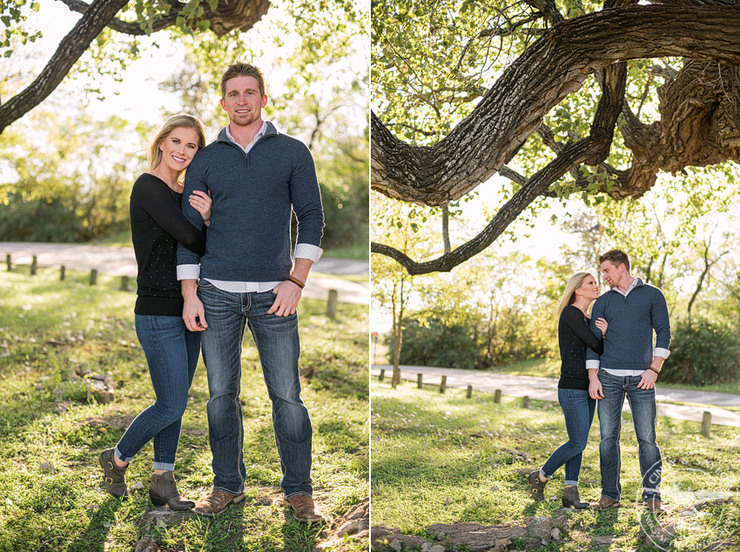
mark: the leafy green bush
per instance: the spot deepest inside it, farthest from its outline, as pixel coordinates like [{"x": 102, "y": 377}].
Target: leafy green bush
[
  {"x": 706, "y": 352},
  {"x": 435, "y": 343}
]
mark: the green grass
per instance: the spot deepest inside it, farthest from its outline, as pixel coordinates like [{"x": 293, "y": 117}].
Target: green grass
[
  {"x": 53, "y": 426},
  {"x": 358, "y": 252},
  {"x": 446, "y": 459},
  {"x": 122, "y": 239}
]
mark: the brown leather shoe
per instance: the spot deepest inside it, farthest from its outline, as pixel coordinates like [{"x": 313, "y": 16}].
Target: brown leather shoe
[
  {"x": 605, "y": 503},
  {"x": 304, "y": 509},
  {"x": 654, "y": 505},
  {"x": 216, "y": 502}
]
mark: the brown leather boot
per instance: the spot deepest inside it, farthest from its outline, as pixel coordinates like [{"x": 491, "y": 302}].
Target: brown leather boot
[
  {"x": 536, "y": 487},
  {"x": 304, "y": 508},
  {"x": 571, "y": 498},
  {"x": 113, "y": 476},
  {"x": 217, "y": 502},
  {"x": 163, "y": 490}
]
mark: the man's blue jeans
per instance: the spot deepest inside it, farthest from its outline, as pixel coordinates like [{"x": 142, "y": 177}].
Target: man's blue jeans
[
  {"x": 276, "y": 338},
  {"x": 578, "y": 409},
  {"x": 172, "y": 355},
  {"x": 642, "y": 405}
]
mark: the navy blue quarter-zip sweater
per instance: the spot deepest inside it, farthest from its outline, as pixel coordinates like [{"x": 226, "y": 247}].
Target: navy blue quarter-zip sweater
[
  {"x": 628, "y": 344},
  {"x": 254, "y": 196}
]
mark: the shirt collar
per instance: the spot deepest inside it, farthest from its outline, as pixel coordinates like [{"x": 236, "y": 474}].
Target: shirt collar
[
  {"x": 260, "y": 133},
  {"x": 636, "y": 282}
]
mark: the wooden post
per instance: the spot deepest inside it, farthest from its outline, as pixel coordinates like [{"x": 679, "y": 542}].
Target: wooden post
[
  {"x": 93, "y": 276},
  {"x": 34, "y": 265},
  {"x": 470, "y": 391},
  {"x": 62, "y": 270},
  {"x": 9, "y": 262},
  {"x": 443, "y": 384},
  {"x": 706, "y": 423},
  {"x": 418, "y": 380},
  {"x": 525, "y": 401},
  {"x": 124, "y": 283},
  {"x": 497, "y": 396},
  {"x": 382, "y": 374},
  {"x": 331, "y": 304}
]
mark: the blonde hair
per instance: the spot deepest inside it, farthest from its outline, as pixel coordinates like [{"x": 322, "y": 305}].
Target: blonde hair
[
  {"x": 181, "y": 120},
  {"x": 569, "y": 295}
]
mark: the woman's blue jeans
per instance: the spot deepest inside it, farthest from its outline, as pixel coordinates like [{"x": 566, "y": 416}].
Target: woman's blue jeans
[
  {"x": 277, "y": 341},
  {"x": 578, "y": 409},
  {"x": 172, "y": 354}
]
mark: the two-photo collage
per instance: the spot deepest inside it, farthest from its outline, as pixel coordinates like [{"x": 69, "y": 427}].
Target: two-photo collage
[{"x": 352, "y": 276}]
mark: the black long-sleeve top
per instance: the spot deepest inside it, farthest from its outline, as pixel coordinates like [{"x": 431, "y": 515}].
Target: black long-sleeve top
[
  {"x": 157, "y": 224},
  {"x": 574, "y": 336}
]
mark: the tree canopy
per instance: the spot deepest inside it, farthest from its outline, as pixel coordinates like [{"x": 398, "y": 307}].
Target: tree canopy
[
  {"x": 133, "y": 18},
  {"x": 558, "y": 97}
]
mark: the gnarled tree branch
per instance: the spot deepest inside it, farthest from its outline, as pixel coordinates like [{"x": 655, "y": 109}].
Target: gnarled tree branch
[
  {"x": 555, "y": 65},
  {"x": 592, "y": 150}
]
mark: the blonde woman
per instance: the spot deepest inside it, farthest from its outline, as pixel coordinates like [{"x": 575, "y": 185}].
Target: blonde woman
[
  {"x": 157, "y": 225},
  {"x": 578, "y": 407}
]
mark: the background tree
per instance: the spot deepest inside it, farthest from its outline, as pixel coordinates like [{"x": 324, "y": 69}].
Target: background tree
[
  {"x": 557, "y": 97},
  {"x": 93, "y": 32},
  {"x": 317, "y": 92}
]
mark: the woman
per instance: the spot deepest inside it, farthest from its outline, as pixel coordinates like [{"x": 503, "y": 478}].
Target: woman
[
  {"x": 574, "y": 336},
  {"x": 157, "y": 225}
]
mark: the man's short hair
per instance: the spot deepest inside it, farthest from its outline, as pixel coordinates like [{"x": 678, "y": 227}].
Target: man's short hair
[
  {"x": 241, "y": 69},
  {"x": 616, "y": 257}
]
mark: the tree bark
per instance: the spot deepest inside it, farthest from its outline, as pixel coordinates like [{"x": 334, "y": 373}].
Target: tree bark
[{"x": 556, "y": 65}]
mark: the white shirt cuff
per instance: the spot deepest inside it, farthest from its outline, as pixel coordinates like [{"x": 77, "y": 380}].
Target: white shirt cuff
[
  {"x": 593, "y": 364},
  {"x": 188, "y": 272},
  {"x": 660, "y": 352},
  {"x": 307, "y": 251}
]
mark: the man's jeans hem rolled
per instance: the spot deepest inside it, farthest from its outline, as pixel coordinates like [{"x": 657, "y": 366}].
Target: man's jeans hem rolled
[{"x": 165, "y": 466}]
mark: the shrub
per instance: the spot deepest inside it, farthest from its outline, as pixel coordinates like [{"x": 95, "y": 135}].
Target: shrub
[
  {"x": 704, "y": 353},
  {"x": 434, "y": 343}
]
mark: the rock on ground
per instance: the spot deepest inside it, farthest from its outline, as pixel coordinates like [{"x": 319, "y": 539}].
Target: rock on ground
[
  {"x": 355, "y": 524},
  {"x": 534, "y": 531}
]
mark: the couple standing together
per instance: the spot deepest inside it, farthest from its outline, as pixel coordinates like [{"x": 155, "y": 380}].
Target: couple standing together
[
  {"x": 205, "y": 272},
  {"x": 605, "y": 359}
]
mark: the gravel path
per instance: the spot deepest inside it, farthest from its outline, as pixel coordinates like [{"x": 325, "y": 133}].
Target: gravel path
[
  {"x": 546, "y": 389},
  {"x": 120, "y": 261}
]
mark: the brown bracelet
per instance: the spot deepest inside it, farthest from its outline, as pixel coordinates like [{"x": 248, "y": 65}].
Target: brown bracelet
[
  {"x": 653, "y": 369},
  {"x": 296, "y": 281}
]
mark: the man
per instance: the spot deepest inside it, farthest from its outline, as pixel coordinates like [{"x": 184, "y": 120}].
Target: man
[
  {"x": 256, "y": 177},
  {"x": 628, "y": 366}
]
